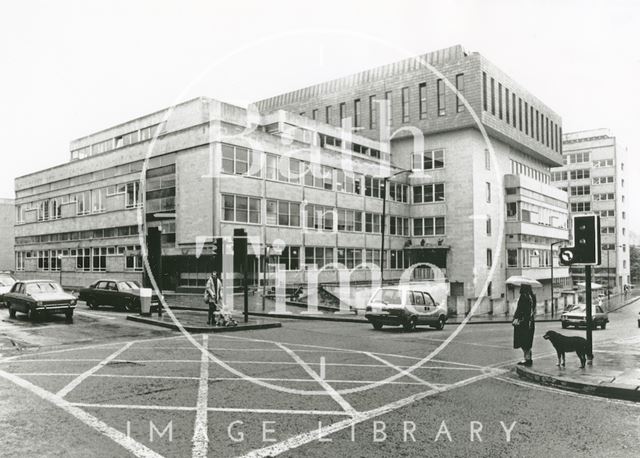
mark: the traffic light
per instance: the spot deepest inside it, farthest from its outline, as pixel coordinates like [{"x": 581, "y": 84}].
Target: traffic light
[
  {"x": 586, "y": 242},
  {"x": 240, "y": 245}
]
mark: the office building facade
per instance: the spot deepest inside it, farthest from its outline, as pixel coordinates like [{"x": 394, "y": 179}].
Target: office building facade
[
  {"x": 450, "y": 98},
  {"x": 593, "y": 174},
  {"x": 6, "y": 234},
  {"x": 306, "y": 172}
]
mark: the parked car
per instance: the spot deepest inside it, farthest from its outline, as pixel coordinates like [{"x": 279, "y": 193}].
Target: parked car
[
  {"x": 122, "y": 294},
  {"x": 6, "y": 282},
  {"x": 577, "y": 316},
  {"x": 405, "y": 306},
  {"x": 39, "y": 297}
]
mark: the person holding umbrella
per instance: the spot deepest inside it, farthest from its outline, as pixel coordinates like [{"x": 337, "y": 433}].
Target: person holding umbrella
[{"x": 524, "y": 324}]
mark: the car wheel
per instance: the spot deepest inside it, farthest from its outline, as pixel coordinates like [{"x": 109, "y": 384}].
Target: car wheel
[
  {"x": 69, "y": 316},
  {"x": 12, "y": 312},
  {"x": 565, "y": 325},
  {"x": 410, "y": 324},
  {"x": 92, "y": 305},
  {"x": 603, "y": 326},
  {"x": 31, "y": 314},
  {"x": 377, "y": 325},
  {"x": 440, "y": 324},
  {"x": 130, "y": 307}
]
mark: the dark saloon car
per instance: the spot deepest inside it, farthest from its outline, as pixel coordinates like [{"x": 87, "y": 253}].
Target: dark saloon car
[
  {"x": 39, "y": 297},
  {"x": 122, "y": 294}
]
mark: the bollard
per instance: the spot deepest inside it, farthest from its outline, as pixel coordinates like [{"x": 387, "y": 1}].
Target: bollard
[{"x": 145, "y": 301}]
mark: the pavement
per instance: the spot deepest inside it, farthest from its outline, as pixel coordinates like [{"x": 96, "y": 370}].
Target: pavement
[
  {"x": 614, "y": 373},
  {"x": 195, "y": 321}
]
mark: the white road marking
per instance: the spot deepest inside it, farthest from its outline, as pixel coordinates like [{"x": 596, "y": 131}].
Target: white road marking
[
  {"x": 397, "y": 368},
  {"x": 200, "y": 438},
  {"x": 328, "y": 388},
  {"x": 211, "y": 409},
  {"x": 212, "y": 379},
  {"x": 134, "y": 447},
  {"x": 323, "y": 368},
  {"x": 77, "y": 381},
  {"x": 310, "y": 436},
  {"x": 274, "y": 363}
]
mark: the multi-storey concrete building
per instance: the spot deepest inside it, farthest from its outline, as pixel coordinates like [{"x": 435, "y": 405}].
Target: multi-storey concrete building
[
  {"x": 6, "y": 234},
  {"x": 297, "y": 171},
  {"x": 593, "y": 174},
  {"x": 450, "y": 98}
]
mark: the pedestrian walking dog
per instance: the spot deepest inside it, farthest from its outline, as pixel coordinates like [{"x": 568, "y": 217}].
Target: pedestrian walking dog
[{"x": 564, "y": 344}]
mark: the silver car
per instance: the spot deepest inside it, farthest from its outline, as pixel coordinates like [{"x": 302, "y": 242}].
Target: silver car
[
  {"x": 577, "y": 316},
  {"x": 404, "y": 306}
]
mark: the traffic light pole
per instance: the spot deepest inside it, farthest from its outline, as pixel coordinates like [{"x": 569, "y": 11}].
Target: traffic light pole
[{"x": 587, "y": 274}]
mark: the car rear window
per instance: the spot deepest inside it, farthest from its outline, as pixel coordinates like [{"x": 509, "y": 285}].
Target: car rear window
[{"x": 388, "y": 296}]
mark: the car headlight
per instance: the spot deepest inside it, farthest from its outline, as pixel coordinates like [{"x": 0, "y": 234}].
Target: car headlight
[{"x": 73, "y": 302}]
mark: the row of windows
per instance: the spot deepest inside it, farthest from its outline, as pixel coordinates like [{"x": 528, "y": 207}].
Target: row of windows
[
  {"x": 99, "y": 175},
  {"x": 243, "y": 209},
  {"x": 86, "y": 202},
  {"x": 564, "y": 175},
  {"x": 320, "y": 257},
  {"x": 603, "y": 180},
  {"x": 129, "y": 138},
  {"x": 527, "y": 257},
  {"x": 86, "y": 259},
  {"x": 577, "y": 158},
  {"x": 375, "y": 110},
  {"x": 538, "y": 126},
  {"x": 122, "y": 231},
  {"x": 518, "y": 168}
]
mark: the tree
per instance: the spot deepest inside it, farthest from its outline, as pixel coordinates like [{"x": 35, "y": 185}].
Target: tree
[{"x": 635, "y": 264}]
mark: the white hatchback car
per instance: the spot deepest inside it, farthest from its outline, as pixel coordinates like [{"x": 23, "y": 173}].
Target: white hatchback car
[{"x": 406, "y": 306}]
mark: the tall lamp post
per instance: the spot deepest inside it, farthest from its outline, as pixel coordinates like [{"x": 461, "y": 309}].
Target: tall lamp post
[
  {"x": 553, "y": 306},
  {"x": 609, "y": 273},
  {"x": 385, "y": 180}
]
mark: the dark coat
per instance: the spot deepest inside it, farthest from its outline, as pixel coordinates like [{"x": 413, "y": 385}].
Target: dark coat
[{"x": 525, "y": 312}]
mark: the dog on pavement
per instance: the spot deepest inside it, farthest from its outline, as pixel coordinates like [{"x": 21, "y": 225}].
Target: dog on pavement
[{"x": 564, "y": 344}]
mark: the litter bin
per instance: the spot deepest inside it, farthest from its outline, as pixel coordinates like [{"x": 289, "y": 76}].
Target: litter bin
[{"x": 145, "y": 301}]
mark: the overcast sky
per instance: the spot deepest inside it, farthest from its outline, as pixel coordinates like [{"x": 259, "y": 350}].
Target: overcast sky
[{"x": 75, "y": 67}]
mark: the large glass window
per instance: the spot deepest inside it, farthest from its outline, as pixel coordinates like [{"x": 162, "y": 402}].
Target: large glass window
[
  {"x": 428, "y": 193},
  {"x": 429, "y": 226},
  {"x": 240, "y": 209}
]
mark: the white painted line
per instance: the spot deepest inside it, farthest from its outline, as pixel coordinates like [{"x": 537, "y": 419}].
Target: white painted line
[
  {"x": 323, "y": 370},
  {"x": 397, "y": 368},
  {"x": 85, "y": 347},
  {"x": 200, "y": 438},
  {"x": 328, "y": 388},
  {"x": 212, "y": 379},
  {"x": 77, "y": 381},
  {"x": 239, "y": 362},
  {"x": 211, "y": 409},
  {"x": 134, "y": 447},
  {"x": 313, "y": 435}
]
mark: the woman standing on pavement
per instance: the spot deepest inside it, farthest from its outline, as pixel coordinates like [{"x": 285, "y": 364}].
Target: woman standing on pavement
[
  {"x": 524, "y": 323},
  {"x": 212, "y": 295}
]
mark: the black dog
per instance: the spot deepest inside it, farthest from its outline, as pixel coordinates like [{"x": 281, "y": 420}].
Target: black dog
[{"x": 564, "y": 344}]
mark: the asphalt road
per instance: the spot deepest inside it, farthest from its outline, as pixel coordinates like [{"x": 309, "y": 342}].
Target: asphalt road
[{"x": 106, "y": 387}]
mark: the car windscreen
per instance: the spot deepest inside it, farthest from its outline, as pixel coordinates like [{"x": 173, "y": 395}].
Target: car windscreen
[
  {"x": 43, "y": 287},
  {"x": 388, "y": 296}
]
